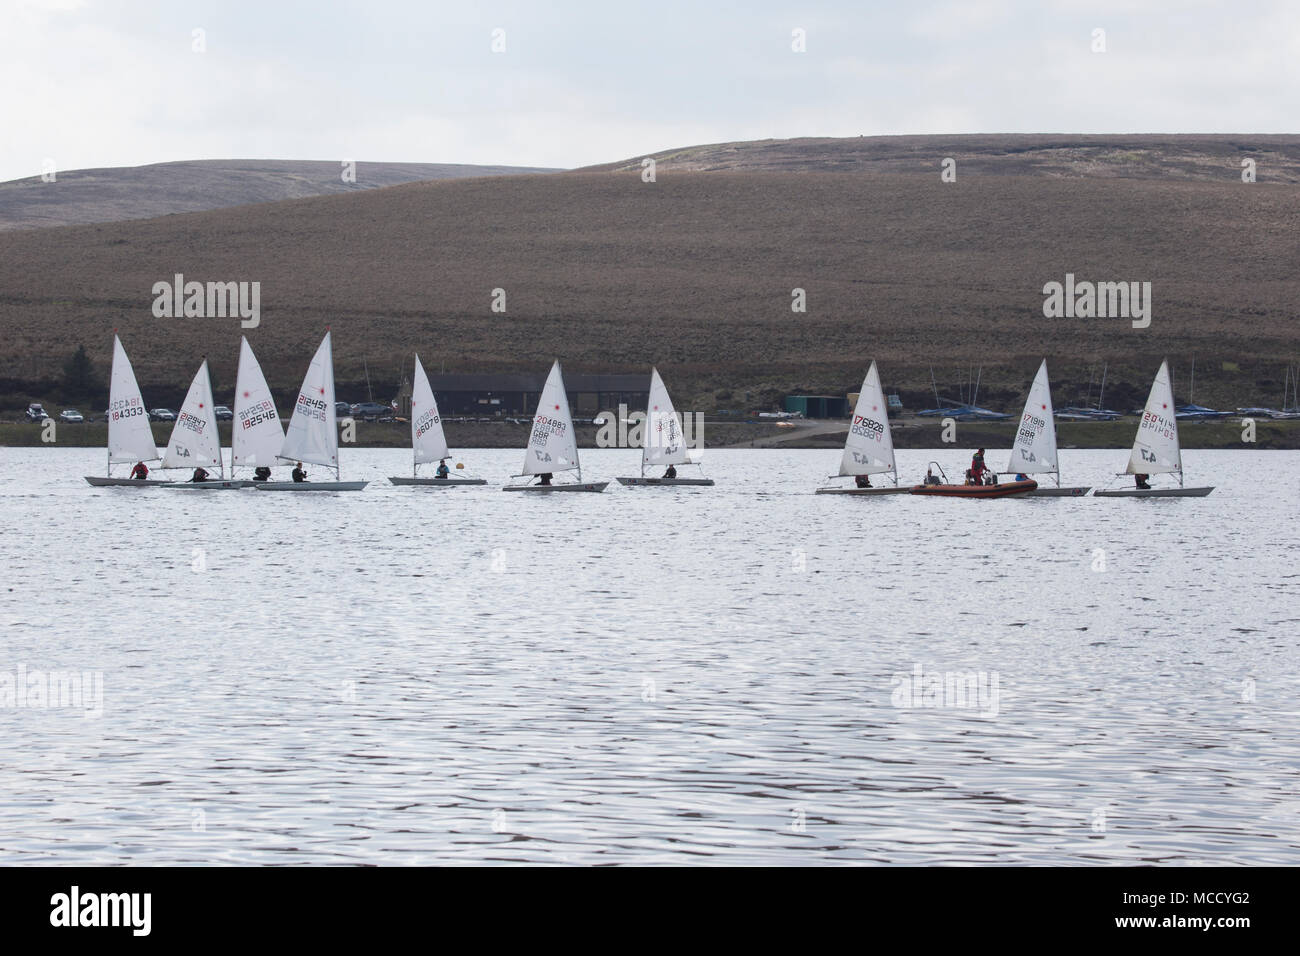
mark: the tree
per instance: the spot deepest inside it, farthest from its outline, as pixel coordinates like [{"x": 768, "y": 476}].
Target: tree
[{"x": 79, "y": 377}]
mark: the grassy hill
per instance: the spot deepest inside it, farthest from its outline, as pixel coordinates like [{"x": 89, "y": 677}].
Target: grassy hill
[
  {"x": 143, "y": 192},
  {"x": 694, "y": 273}
]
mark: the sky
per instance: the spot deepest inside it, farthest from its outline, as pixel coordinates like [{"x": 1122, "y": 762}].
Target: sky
[{"x": 91, "y": 83}]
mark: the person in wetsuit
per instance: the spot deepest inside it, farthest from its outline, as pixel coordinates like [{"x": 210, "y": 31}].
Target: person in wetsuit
[
  {"x": 200, "y": 474},
  {"x": 443, "y": 471},
  {"x": 671, "y": 472},
  {"x": 262, "y": 474},
  {"x": 862, "y": 481},
  {"x": 298, "y": 474},
  {"x": 544, "y": 478},
  {"x": 139, "y": 472},
  {"x": 1141, "y": 482},
  {"x": 977, "y": 468}
]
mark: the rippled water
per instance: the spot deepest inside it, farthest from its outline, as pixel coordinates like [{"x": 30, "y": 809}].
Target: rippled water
[{"x": 652, "y": 675}]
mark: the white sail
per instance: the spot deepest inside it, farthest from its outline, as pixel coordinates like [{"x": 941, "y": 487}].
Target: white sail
[
  {"x": 195, "y": 442},
  {"x": 869, "y": 449},
  {"x": 427, "y": 437},
  {"x": 129, "y": 436},
  {"x": 552, "y": 446},
  {"x": 1155, "y": 450},
  {"x": 257, "y": 435},
  {"x": 313, "y": 431},
  {"x": 1034, "y": 450},
  {"x": 664, "y": 443}
]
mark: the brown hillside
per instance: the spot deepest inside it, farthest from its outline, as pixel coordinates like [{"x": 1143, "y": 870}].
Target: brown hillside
[
  {"x": 693, "y": 273},
  {"x": 1148, "y": 156},
  {"x": 79, "y": 196}
]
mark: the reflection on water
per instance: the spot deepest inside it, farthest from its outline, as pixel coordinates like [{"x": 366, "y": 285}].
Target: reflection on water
[{"x": 653, "y": 675}]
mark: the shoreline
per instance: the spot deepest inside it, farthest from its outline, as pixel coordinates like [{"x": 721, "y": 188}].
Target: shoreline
[{"x": 908, "y": 432}]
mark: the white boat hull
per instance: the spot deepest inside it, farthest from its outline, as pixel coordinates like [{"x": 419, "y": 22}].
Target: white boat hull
[
  {"x": 1076, "y": 491},
  {"x": 437, "y": 482},
  {"x": 571, "y": 486},
  {"x": 212, "y": 484},
  {"x": 99, "y": 482},
  {"x": 310, "y": 485},
  {"x": 700, "y": 482},
  {"x": 1154, "y": 493},
  {"x": 883, "y": 490}
]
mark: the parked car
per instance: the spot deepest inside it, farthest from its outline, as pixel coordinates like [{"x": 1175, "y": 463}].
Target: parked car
[
  {"x": 223, "y": 414},
  {"x": 162, "y": 415},
  {"x": 71, "y": 415},
  {"x": 342, "y": 409},
  {"x": 36, "y": 412},
  {"x": 371, "y": 410}
]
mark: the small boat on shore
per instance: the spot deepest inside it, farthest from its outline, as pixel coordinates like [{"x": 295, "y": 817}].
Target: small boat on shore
[
  {"x": 1034, "y": 451},
  {"x": 552, "y": 445},
  {"x": 130, "y": 439},
  {"x": 428, "y": 440},
  {"x": 869, "y": 447},
  {"x": 1156, "y": 450},
  {"x": 313, "y": 434},
  {"x": 663, "y": 443}
]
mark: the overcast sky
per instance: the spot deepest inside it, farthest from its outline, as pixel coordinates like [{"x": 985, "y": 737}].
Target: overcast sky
[{"x": 98, "y": 83}]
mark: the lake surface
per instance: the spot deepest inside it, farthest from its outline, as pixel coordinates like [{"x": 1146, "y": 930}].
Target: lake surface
[{"x": 651, "y": 675}]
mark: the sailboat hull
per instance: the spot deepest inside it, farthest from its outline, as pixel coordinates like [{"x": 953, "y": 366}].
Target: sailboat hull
[
  {"x": 1154, "y": 493},
  {"x": 213, "y": 484},
  {"x": 1004, "y": 490},
  {"x": 884, "y": 490},
  {"x": 1077, "y": 491},
  {"x": 546, "y": 489},
  {"x": 310, "y": 485},
  {"x": 437, "y": 482},
  {"x": 699, "y": 482},
  {"x": 99, "y": 482}
]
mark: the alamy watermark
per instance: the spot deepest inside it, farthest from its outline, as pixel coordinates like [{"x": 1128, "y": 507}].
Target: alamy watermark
[
  {"x": 968, "y": 690},
  {"x": 212, "y": 300},
  {"x": 51, "y": 689},
  {"x": 662, "y": 431},
  {"x": 1102, "y": 300}
]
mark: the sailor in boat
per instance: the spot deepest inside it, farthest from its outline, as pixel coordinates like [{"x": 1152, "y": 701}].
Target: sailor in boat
[
  {"x": 200, "y": 474},
  {"x": 545, "y": 478},
  {"x": 671, "y": 472},
  {"x": 1022, "y": 477},
  {"x": 298, "y": 474},
  {"x": 977, "y": 469},
  {"x": 443, "y": 471},
  {"x": 970, "y": 477},
  {"x": 1141, "y": 482},
  {"x": 931, "y": 478},
  {"x": 262, "y": 473},
  {"x": 139, "y": 472},
  {"x": 862, "y": 481}
]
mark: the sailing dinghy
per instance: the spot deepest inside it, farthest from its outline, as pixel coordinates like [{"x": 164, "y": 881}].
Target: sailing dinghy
[
  {"x": 195, "y": 442},
  {"x": 256, "y": 433},
  {"x": 428, "y": 441},
  {"x": 313, "y": 434},
  {"x": 130, "y": 439},
  {"x": 1034, "y": 451},
  {"x": 1155, "y": 449},
  {"x": 552, "y": 445},
  {"x": 869, "y": 449},
  {"x": 664, "y": 444}
]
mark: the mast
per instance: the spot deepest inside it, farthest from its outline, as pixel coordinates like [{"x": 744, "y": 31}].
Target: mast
[{"x": 1102, "y": 391}]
